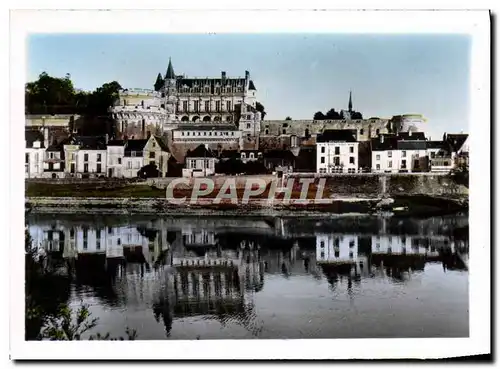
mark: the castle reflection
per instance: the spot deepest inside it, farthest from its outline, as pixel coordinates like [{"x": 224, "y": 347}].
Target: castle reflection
[{"x": 214, "y": 268}]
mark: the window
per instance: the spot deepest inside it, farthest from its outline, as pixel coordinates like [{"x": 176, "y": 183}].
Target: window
[
  {"x": 137, "y": 165},
  {"x": 51, "y": 155},
  {"x": 98, "y": 170},
  {"x": 184, "y": 106},
  {"x": 351, "y": 149},
  {"x": 284, "y": 131},
  {"x": 251, "y": 155},
  {"x": 446, "y": 163},
  {"x": 85, "y": 157},
  {"x": 72, "y": 156},
  {"x": 433, "y": 155},
  {"x": 266, "y": 131},
  {"x": 351, "y": 243},
  {"x": 217, "y": 90},
  {"x": 378, "y": 166},
  {"x": 322, "y": 244},
  {"x": 217, "y": 106},
  {"x": 119, "y": 160},
  {"x": 351, "y": 160},
  {"x": 403, "y": 154},
  {"x": 322, "y": 160},
  {"x": 337, "y": 253},
  {"x": 193, "y": 164},
  {"x": 232, "y": 133},
  {"x": 336, "y": 161},
  {"x": 27, "y": 158},
  {"x": 389, "y": 164},
  {"x": 196, "y": 106},
  {"x": 99, "y": 158},
  {"x": 151, "y": 162},
  {"x": 403, "y": 164},
  {"x": 361, "y": 131},
  {"x": 322, "y": 149},
  {"x": 351, "y": 255},
  {"x": 182, "y": 133},
  {"x": 152, "y": 154},
  {"x": 389, "y": 154},
  {"x": 153, "y": 144},
  {"x": 377, "y": 132},
  {"x": 119, "y": 242},
  {"x": 129, "y": 165},
  {"x": 377, "y": 157},
  {"x": 85, "y": 168},
  {"x": 249, "y": 125},
  {"x": 337, "y": 150},
  {"x": 207, "y": 105},
  {"x": 322, "y": 254},
  {"x": 228, "y": 105},
  {"x": 243, "y": 155}
]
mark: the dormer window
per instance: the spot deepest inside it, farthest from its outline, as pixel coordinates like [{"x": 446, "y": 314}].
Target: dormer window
[
  {"x": 251, "y": 155},
  {"x": 243, "y": 155}
]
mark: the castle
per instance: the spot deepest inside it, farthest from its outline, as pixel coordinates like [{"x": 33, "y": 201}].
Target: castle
[{"x": 222, "y": 114}]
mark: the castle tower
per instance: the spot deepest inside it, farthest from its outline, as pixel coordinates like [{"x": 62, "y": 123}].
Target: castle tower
[{"x": 170, "y": 94}]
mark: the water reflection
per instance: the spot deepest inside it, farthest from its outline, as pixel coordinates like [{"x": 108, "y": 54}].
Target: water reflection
[{"x": 214, "y": 269}]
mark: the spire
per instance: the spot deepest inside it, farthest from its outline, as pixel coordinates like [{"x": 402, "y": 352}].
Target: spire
[
  {"x": 350, "y": 101},
  {"x": 170, "y": 70}
]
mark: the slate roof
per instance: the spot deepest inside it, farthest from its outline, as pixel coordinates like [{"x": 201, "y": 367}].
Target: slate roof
[
  {"x": 201, "y": 152},
  {"x": 209, "y": 82},
  {"x": 229, "y": 154},
  {"x": 56, "y": 147},
  {"x": 32, "y": 136},
  {"x": 435, "y": 144},
  {"x": 390, "y": 142},
  {"x": 412, "y": 145},
  {"x": 415, "y": 136},
  {"x": 91, "y": 142},
  {"x": 343, "y": 135},
  {"x": 116, "y": 143},
  {"x": 456, "y": 141},
  {"x": 251, "y": 86},
  {"x": 135, "y": 145},
  {"x": 279, "y": 154},
  {"x": 162, "y": 143},
  {"x": 170, "y": 71}
]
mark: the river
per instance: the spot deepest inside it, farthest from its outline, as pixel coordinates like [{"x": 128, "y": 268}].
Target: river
[{"x": 274, "y": 278}]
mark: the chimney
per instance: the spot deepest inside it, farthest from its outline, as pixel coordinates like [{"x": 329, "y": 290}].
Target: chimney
[
  {"x": 381, "y": 138},
  {"x": 149, "y": 135},
  {"x": 46, "y": 137},
  {"x": 106, "y": 137},
  {"x": 223, "y": 75},
  {"x": 247, "y": 75}
]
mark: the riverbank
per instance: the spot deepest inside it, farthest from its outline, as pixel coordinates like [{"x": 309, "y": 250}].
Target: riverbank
[{"x": 402, "y": 206}]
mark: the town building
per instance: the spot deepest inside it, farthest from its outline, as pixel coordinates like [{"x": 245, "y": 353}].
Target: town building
[
  {"x": 337, "y": 152},
  {"x": 53, "y": 162},
  {"x": 35, "y": 145},
  {"x": 115, "y": 153},
  {"x": 404, "y": 153},
  {"x": 156, "y": 153},
  {"x": 279, "y": 161},
  {"x": 200, "y": 162},
  {"x": 134, "y": 158}
]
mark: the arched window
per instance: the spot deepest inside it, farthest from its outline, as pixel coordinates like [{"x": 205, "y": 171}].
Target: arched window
[
  {"x": 361, "y": 131},
  {"x": 267, "y": 131}
]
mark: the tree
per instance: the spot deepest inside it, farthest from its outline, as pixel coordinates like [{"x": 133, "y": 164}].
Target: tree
[
  {"x": 356, "y": 115},
  {"x": 332, "y": 115},
  {"x": 148, "y": 171},
  {"x": 261, "y": 109},
  {"x": 288, "y": 118},
  {"x": 319, "y": 116},
  {"x": 159, "y": 82}
]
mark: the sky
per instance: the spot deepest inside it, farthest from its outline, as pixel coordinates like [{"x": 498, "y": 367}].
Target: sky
[{"x": 295, "y": 75}]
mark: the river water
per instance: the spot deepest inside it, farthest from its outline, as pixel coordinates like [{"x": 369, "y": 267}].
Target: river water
[{"x": 245, "y": 278}]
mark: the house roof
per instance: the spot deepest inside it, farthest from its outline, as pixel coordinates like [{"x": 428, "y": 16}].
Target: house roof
[
  {"x": 32, "y": 136},
  {"x": 344, "y": 135},
  {"x": 412, "y": 145},
  {"x": 411, "y": 136},
  {"x": 209, "y": 82},
  {"x": 201, "y": 152},
  {"x": 456, "y": 141},
  {"x": 251, "y": 86},
  {"x": 91, "y": 142},
  {"x": 279, "y": 154},
  {"x": 170, "y": 71},
  {"x": 56, "y": 147},
  {"x": 435, "y": 144},
  {"x": 205, "y": 127},
  {"x": 389, "y": 142},
  {"x": 135, "y": 145},
  {"x": 161, "y": 142},
  {"x": 116, "y": 143},
  {"x": 229, "y": 154}
]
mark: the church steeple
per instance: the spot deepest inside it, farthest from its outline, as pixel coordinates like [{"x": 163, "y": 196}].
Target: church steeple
[
  {"x": 350, "y": 102},
  {"x": 170, "y": 70}
]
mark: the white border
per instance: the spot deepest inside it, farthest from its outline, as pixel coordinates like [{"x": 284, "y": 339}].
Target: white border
[{"x": 474, "y": 23}]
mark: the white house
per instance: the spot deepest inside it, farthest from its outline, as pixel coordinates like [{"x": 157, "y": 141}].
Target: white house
[
  {"x": 405, "y": 153},
  {"x": 134, "y": 157},
  {"x": 36, "y": 144},
  {"x": 53, "y": 162},
  {"x": 337, "y": 151},
  {"x": 200, "y": 162},
  {"x": 397, "y": 244},
  {"x": 115, "y": 155},
  {"x": 91, "y": 157},
  {"x": 336, "y": 248}
]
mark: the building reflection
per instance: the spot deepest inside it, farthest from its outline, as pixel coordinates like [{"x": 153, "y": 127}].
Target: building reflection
[{"x": 182, "y": 268}]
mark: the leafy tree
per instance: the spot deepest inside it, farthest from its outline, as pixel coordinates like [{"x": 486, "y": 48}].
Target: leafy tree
[
  {"x": 288, "y": 118},
  {"x": 332, "y": 114},
  {"x": 356, "y": 115},
  {"x": 319, "y": 116},
  {"x": 148, "y": 171},
  {"x": 159, "y": 82}
]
